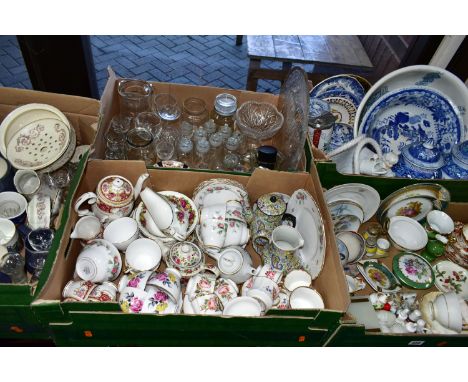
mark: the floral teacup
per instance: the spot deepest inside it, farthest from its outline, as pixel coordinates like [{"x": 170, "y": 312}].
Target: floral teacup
[
  {"x": 200, "y": 285},
  {"x": 269, "y": 272},
  {"x": 78, "y": 290},
  {"x": 208, "y": 304},
  {"x": 168, "y": 281},
  {"x": 159, "y": 302},
  {"x": 132, "y": 300},
  {"x": 226, "y": 290},
  {"x": 106, "y": 292},
  {"x": 134, "y": 280}
]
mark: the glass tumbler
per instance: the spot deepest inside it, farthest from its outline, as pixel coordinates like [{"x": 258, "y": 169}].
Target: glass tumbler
[
  {"x": 194, "y": 112},
  {"x": 165, "y": 149},
  {"x": 140, "y": 146},
  {"x": 167, "y": 107},
  {"x": 134, "y": 97},
  {"x": 149, "y": 121}
]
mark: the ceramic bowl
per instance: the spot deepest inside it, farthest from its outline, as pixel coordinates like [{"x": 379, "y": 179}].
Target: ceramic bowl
[
  {"x": 297, "y": 278},
  {"x": 306, "y": 298},
  {"x": 243, "y": 306},
  {"x": 121, "y": 232},
  {"x": 406, "y": 233},
  {"x": 259, "y": 120},
  {"x": 355, "y": 244},
  {"x": 447, "y": 311},
  {"x": 143, "y": 255},
  {"x": 13, "y": 206},
  {"x": 441, "y": 222},
  {"x": 132, "y": 300},
  {"x": 342, "y": 251}
]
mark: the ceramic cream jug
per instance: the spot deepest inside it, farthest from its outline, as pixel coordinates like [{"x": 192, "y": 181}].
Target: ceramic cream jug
[
  {"x": 113, "y": 199},
  {"x": 165, "y": 214}
]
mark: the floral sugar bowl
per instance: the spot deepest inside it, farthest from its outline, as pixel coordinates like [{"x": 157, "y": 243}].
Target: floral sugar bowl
[
  {"x": 113, "y": 199},
  {"x": 456, "y": 166},
  {"x": 419, "y": 160}
]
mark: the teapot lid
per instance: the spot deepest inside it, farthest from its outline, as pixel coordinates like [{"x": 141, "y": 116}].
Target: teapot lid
[
  {"x": 424, "y": 155},
  {"x": 115, "y": 190},
  {"x": 460, "y": 155},
  {"x": 271, "y": 204},
  {"x": 230, "y": 261}
]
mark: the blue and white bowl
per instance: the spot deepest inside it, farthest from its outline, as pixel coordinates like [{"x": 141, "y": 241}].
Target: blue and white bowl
[
  {"x": 419, "y": 161},
  {"x": 456, "y": 166},
  {"x": 341, "y": 134}
]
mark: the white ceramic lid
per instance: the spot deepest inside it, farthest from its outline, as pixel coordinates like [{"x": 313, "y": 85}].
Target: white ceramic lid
[{"x": 230, "y": 261}]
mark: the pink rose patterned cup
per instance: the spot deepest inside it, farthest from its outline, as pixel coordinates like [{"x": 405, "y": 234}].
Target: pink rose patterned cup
[
  {"x": 269, "y": 272},
  {"x": 208, "y": 304},
  {"x": 132, "y": 299},
  {"x": 78, "y": 290},
  {"x": 168, "y": 281},
  {"x": 107, "y": 292},
  {"x": 159, "y": 302},
  {"x": 134, "y": 280},
  {"x": 226, "y": 290},
  {"x": 200, "y": 285}
]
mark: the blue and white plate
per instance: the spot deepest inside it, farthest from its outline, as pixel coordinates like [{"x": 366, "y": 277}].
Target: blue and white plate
[
  {"x": 342, "y": 94},
  {"x": 317, "y": 107},
  {"x": 343, "y": 109},
  {"x": 413, "y": 114},
  {"x": 452, "y": 171},
  {"x": 341, "y": 133},
  {"x": 343, "y": 82}
]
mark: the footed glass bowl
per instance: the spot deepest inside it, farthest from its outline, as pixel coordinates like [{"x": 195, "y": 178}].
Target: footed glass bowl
[{"x": 259, "y": 120}]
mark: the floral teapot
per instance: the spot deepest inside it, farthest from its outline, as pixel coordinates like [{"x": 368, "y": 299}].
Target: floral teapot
[{"x": 113, "y": 199}]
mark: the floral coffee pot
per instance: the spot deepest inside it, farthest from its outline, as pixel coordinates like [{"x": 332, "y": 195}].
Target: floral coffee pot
[{"x": 113, "y": 199}]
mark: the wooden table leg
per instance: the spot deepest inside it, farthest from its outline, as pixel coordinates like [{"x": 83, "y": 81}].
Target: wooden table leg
[{"x": 252, "y": 80}]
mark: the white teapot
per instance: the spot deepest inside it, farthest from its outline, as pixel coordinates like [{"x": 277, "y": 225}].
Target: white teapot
[{"x": 234, "y": 263}]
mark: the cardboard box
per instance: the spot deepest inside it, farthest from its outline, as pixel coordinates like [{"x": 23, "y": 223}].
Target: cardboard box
[
  {"x": 110, "y": 106},
  {"x": 349, "y": 332},
  {"x": 104, "y": 323},
  {"x": 330, "y": 177},
  {"x": 16, "y": 317}
]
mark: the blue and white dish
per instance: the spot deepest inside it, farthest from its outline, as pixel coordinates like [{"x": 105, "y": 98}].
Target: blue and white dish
[
  {"x": 317, "y": 107},
  {"x": 409, "y": 115},
  {"x": 341, "y": 81},
  {"x": 342, "y": 251},
  {"x": 343, "y": 109},
  {"x": 341, "y": 134},
  {"x": 419, "y": 161},
  {"x": 341, "y": 93},
  {"x": 456, "y": 166}
]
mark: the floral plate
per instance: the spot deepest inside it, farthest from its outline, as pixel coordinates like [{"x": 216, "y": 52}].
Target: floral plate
[
  {"x": 340, "y": 82},
  {"x": 450, "y": 277},
  {"x": 365, "y": 196},
  {"x": 345, "y": 208},
  {"x": 309, "y": 223},
  {"x": 378, "y": 276},
  {"x": 405, "y": 116},
  {"x": 342, "y": 108},
  {"x": 413, "y": 270}
]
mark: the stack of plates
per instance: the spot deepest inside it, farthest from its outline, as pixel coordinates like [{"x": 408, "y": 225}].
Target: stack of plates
[{"x": 37, "y": 137}]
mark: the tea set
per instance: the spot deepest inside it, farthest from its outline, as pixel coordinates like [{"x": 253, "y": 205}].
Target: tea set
[
  {"x": 415, "y": 245},
  {"x": 172, "y": 254}
]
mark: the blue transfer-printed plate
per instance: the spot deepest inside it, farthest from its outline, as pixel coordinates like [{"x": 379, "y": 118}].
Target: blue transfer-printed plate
[
  {"x": 340, "y": 93},
  {"x": 341, "y": 133},
  {"x": 343, "y": 82},
  {"x": 410, "y": 115},
  {"x": 452, "y": 171},
  {"x": 317, "y": 107}
]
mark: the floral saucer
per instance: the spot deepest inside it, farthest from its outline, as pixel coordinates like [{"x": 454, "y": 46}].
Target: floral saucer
[
  {"x": 450, "y": 277},
  {"x": 413, "y": 270},
  {"x": 378, "y": 276}
]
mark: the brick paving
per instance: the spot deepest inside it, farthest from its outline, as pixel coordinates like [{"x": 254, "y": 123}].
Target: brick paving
[{"x": 197, "y": 60}]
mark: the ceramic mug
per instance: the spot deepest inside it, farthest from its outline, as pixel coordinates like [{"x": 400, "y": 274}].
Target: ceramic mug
[
  {"x": 13, "y": 207},
  {"x": 27, "y": 182},
  {"x": 78, "y": 290},
  {"x": 106, "y": 292}
]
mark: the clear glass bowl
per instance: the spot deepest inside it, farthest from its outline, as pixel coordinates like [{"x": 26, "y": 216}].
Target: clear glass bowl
[{"x": 259, "y": 120}]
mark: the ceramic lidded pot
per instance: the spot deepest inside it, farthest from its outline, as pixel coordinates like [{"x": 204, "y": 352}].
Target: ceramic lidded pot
[
  {"x": 269, "y": 208},
  {"x": 456, "y": 166},
  {"x": 420, "y": 160},
  {"x": 113, "y": 199},
  {"x": 187, "y": 258}
]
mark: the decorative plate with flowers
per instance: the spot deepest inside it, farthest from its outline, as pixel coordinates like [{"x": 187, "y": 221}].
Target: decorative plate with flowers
[
  {"x": 413, "y": 271},
  {"x": 378, "y": 276},
  {"x": 450, "y": 277}
]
